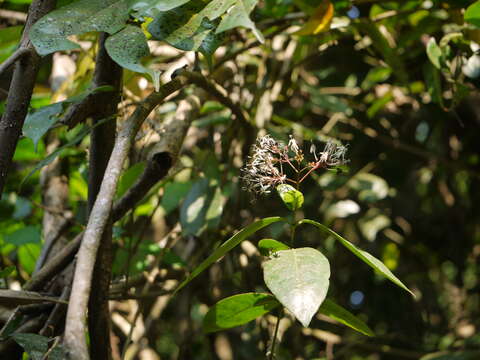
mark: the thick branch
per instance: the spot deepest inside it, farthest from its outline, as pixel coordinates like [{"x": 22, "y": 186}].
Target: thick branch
[
  {"x": 107, "y": 72},
  {"x": 75, "y": 329},
  {"x": 20, "y": 93}
]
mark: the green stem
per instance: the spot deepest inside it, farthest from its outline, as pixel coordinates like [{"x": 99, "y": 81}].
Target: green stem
[{"x": 271, "y": 356}]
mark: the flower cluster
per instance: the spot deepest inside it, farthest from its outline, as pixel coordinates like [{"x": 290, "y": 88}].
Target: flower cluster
[
  {"x": 261, "y": 172},
  {"x": 264, "y": 169}
]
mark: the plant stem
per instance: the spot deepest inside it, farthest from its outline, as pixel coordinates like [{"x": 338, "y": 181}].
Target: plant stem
[{"x": 271, "y": 356}]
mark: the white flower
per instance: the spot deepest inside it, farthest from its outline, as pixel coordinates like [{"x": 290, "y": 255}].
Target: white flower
[{"x": 332, "y": 155}]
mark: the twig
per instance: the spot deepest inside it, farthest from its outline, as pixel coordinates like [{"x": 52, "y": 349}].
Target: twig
[
  {"x": 75, "y": 323},
  {"x": 17, "y": 55},
  {"x": 20, "y": 92}
]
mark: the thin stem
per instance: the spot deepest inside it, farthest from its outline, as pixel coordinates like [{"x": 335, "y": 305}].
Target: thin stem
[
  {"x": 315, "y": 167},
  {"x": 274, "y": 340}
]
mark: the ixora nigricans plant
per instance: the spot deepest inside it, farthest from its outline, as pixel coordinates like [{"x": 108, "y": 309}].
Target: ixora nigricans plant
[{"x": 298, "y": 278}]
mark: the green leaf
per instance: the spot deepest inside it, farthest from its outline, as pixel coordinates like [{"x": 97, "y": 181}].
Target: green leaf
[
  {"x": 37, "y": 123},
  {"x": 50, "y": 157},
  {"x": 50, "y": 33},
  {"x": 238, "y": 310},
  {"x": 26, "y": 235},
  {"x": 370, "y": 260},
  {"x": 434, "y": 53},
  {"x": 23, "y": 208},
  {"x": 190, "y": 27},
  {"x": 238, "y": 16},
  {"x": 174, "y": 193},
  {"x": 152, "y": 8},
  {"x": 36, "y": 346},
  {"x": 342, "y": 315},
  {"x": 127, "y": 48},
  {"x": 202, "y": 207},
  {"x": 291, "y": 197},
  {"x": 129, "y": 177},
  {"x": 229, "y": 245},
  {"x": 7, "y": 271},
  {"x": 299, "y": 279},
  {"x": 472, "y": 14},
  {"x": 269, "y": 246}
]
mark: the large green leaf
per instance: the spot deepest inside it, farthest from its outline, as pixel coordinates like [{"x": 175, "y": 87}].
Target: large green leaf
[
  {"x": 49, "y": 34},
  {"x": 361, "y": 254},
  {"x": 472, "y": 14},
  {"x": 238, "y": 310},
  {"x": 336, "y": 312},
  {"x": 299, "y": 278},
  {"x": 229, "y": 245},
  {"x": 128, "y": 47},
  {"x": 434, "y": 53}
]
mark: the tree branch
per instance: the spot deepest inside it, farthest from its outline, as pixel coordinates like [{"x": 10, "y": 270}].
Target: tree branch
[
  {"x": 17, "y": 55},
  {"x": 107, "y": 72},
  {"x": 75, "y": 329}
]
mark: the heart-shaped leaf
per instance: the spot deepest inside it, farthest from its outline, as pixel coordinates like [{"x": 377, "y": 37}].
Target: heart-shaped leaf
[
  {"x": 299, "y": 278},
  {"x": 370, "y": 260},
  {"x": 238, "y": 310}
]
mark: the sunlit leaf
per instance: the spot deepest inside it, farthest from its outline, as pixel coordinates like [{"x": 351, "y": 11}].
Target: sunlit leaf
[
  {"x": 361, "y": 254},
  {"x": 238, "y": 310},
  {"x": 291, "y": 197},
  {"x": 269, "y": 246},
  {"x": 299, "y": 279},
  {"x": 472, "y": 14},
  {"x": 238, "y": 16},
  {"x": 434, "y": 53},
  {"x": 319, "y": 21}
]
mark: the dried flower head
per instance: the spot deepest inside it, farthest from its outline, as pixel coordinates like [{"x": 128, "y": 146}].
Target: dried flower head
[
  {"x": 261, "y": 172},
  {"x": 264, "y": 169},
  {"x": 332, "y": 155}
]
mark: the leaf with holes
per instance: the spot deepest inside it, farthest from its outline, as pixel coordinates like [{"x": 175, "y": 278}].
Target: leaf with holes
[{"x": 299, "y": 279}]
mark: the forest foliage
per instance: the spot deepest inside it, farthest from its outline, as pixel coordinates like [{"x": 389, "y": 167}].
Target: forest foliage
[{"x": 176, "y": 174}]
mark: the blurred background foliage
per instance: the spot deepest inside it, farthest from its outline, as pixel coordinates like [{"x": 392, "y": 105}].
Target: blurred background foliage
[{"x": 395, "y": 80}]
